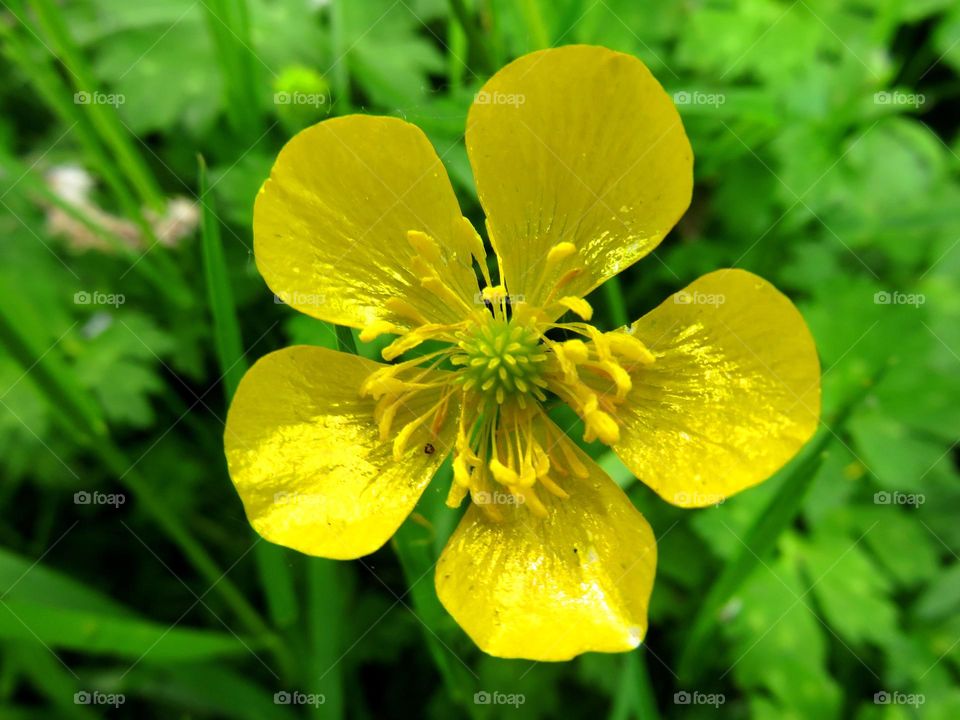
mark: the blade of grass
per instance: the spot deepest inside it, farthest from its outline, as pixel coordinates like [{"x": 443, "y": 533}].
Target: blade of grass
[
  {"x": 480, "y": 52},
  {"x": 760, "y": 540},
  {"x": 209, "y": 690},
  {"x": 50, "y": 677},
  {"x": 51, "y": 376},
  {"x": 457, "y": 44},
  {"x": 273, "y": 562},
  {"x": 130, "y": 638},
  {"x": 226, "y": 329},
  {"x": 36, "y": 67},
  {"x": 325, "y": 609},
  {"x": 634, "y": 697},
  {"x": 229, "y": 27},
  {"x": 536, "y": 29},
  {"x": 103, "y": 117},
  {"x": 338, "y": 68},
  {"x": 345, "y": 340}
]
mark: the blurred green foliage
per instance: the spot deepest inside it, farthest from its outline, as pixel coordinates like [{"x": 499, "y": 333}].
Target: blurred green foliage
[{"x": 826, "y": 144}]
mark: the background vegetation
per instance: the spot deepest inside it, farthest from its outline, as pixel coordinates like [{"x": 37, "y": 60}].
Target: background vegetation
[{"x": 826, "y": 144}]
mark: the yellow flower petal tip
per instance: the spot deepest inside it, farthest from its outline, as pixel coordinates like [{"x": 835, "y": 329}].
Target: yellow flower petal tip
[
  {"x": 575, "y": 580},
  {"x": 703, "y": 397},
  {"x": 733, "y": 394}
]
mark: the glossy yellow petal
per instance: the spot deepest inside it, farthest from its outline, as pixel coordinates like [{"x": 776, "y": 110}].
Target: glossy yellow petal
[
  {"x": 331, "y": 224},
  {"x": 579, "y": 145},
  {"x": 550, "y": 588},
  {"x": 304, "y": 452},
  {"x": 733, "y": 394}
]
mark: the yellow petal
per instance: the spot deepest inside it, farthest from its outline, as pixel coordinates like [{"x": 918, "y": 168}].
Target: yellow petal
[
  {"x": 576, "y": 144},
  {"x": 305, "y": 454},
  {"x": 549, "y": 588},
  {"x": 733, "y": 394},
  {"x": 331, "y": 224}
]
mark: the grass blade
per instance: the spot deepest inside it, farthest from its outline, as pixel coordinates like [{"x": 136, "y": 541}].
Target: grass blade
[
  {"x": 634, "y": 697},
  {"x": 273, "y": 562},
  {"x": 229, "y": 27},
  {"x": 325, "y": 608},
  {"x": 226, "y": 329},
  {"x": 97, "y": 634},
  {"x": 104, "y": 119}
]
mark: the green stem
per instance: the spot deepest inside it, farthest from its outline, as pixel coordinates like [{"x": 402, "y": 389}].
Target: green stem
[
  {"x": 345, "y": 340},
  {"x": 480, "y": 51},
  {"x": 226, "y": 328},
  {"x": 326, "y": 609},
  {"x": 339, "y": 80},
  {"x": 273, "y": 567},
  {"x": 613, "y": 293}
]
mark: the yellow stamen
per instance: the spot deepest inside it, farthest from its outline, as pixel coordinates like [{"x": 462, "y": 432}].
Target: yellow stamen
[
  {"x": 403, "y": 309},
  {"x": 628, "y": 347},
  {"x": 425, "y": 246},
  {"x": 559, "y": 252},
  {"x": 378, "y": 328},
  {"x": 577, "y": 305}
]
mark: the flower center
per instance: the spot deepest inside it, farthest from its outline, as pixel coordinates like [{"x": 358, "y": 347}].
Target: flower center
[{"x": 502, "y": 359}]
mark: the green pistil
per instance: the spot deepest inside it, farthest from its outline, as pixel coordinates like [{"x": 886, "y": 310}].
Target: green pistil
[{"x": 502, "y": 360}]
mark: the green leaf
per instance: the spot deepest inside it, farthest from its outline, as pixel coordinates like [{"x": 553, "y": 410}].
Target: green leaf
[
  {"x": 226, "y": 329},
  {"x": 207, "y": 689},
  {"x": 97, "y": 633},
  {"x": 176, "y": 50},
  {"x": 850, "y": 589},
  {"x": 26, "y": 581},
  {"x": 779, "y": 645}
]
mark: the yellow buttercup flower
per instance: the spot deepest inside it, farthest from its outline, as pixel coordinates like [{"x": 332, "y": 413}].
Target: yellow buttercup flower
[{"x": 582, "y": 166}]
